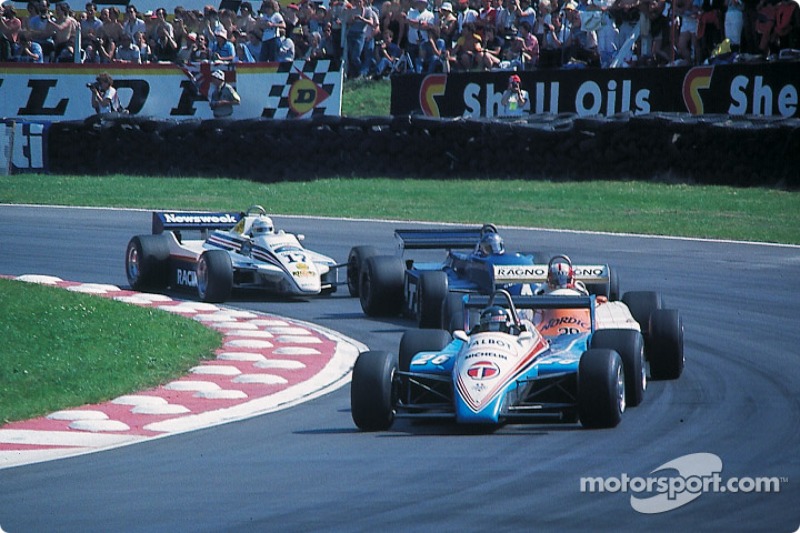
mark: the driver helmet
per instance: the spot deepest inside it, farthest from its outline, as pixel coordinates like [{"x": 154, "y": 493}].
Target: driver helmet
[
  {"x": 491, "y": 243},
  {"x": 495, "y": 318},
  {"x": 262, "y": 226},
  {"x": 560, "y": 275}
]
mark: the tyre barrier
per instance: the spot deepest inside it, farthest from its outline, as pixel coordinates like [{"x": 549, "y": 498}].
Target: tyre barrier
[{"x": 676, "y": 147}]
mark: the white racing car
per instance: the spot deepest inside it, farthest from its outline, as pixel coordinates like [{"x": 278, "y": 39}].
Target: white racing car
[{"x": 235, "y": 250}]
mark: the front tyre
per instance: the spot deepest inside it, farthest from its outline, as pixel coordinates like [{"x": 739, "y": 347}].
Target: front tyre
[
  {"x": 629, "y": 344},
  {"x": 147, "y": 262},
  {"x": 601, "y": 388},
  {"x": 214, "y": 276},
  {"x": 372, "y": 398}
]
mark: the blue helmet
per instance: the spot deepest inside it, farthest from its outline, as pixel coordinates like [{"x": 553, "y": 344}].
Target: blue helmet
[{"x": 491, "y": 243}]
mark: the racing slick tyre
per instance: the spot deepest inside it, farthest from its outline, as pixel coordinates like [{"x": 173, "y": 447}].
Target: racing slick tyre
[
  {"x": 214, "y": 276},
  {"x": 380, "y": 289},
  {"x": 665, "y": 347},
  {"x": 147, "y": 262},
  {"x": 641, "y": 305},
  {"x": 355, "y": 262},
  {"x": 453, "y": 312},
  {"x": 431, "y": 292},
  {"x": 601, "y": 389},
  {"x": 372, "y": 397},
  {"x": 421, "y": 340},
  {"x": 629, "y": 344}
]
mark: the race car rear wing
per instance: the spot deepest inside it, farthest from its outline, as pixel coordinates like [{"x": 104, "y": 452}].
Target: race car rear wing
[
  {"x": 181, "y": 220},
  {"x": 481, "y": 301},
  {"x": 435, "y": 239},
  {"x": 538, "y": 273}
]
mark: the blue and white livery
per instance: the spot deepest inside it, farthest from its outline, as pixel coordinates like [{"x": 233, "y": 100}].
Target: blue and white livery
[{"x": 504, "y": 369}]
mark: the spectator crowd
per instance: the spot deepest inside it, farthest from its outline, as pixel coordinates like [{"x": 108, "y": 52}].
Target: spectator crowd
[{"x": 385, "y": 37}]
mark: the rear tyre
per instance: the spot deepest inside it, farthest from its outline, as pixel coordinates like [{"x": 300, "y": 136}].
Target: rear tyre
[
  {"x": 372, "y": 398},
  {"x": 431, "y": 292},
  {"x": 453, "y": 312},
  {"x": 629, "y": 344},
  {"x": 601, "y": 389},
  {"x": 214, "y": 276},
  {"x": 147, "y": 262},
  {"x": 381, "y": 287},
  {"x": 665, "y": 349},
  {"x": 355, "y": 262},
  {"x": 641, "y": 305}
]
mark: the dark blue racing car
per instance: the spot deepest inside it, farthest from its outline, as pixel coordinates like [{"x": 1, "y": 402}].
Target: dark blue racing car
[{"x": 397, "y": 285}]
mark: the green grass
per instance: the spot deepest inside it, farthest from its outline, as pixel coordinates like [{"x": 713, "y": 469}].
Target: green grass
[
  {"x": 63, "y": 349},
  {"x": 767, "y": 215},
  {"x": 366, "y": 98}
]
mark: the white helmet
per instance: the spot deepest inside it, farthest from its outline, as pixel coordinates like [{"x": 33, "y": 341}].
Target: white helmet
[{"x": 262, "y": 226}]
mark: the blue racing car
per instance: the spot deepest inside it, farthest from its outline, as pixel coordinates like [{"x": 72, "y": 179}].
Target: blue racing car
[{"x": 395, "y": 285}]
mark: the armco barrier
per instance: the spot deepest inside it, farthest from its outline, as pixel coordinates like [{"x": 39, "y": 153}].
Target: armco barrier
[{"x": 710, "y": 149}]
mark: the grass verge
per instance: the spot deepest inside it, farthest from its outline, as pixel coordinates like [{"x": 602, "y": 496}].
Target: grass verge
[
  {"x": 766, "y": 215},
  {"x": 63, "y": 349}
]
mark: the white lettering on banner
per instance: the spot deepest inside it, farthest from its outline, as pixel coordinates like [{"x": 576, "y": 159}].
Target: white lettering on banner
[
  {"x": 538, "y": 104},
  {"x": 28, "y": 147},
  {"x": 473, "y": 106},
  {"x": 170, "y": 218},
  {"x": 762, "y": 98},
  {"x": 589, "y": 99}
]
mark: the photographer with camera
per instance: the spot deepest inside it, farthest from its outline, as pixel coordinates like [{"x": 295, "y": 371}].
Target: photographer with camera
[
  {"x": 515, "y": 100},
  {"x": 104, "y": 96}
]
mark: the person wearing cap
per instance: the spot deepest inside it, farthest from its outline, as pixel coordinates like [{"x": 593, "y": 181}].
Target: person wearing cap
[
  {"x": 515, "y": 101},
  {"x": 104, "y": 95},
  {"x": 222, "y": 97},
  {"x": 448, "y": 24},
  {"x": 221, "y": 48}
]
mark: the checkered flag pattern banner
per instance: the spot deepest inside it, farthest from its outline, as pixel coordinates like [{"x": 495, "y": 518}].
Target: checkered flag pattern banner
[{"x": 322, "y": 80}]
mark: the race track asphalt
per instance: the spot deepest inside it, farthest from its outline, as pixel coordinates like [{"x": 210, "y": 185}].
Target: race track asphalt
[{"x": 308, "y": 468}]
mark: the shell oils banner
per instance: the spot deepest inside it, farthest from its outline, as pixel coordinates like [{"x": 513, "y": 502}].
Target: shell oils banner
[
  {"x": 55, "y": 92},
  {"x": 735, "y": 89}
]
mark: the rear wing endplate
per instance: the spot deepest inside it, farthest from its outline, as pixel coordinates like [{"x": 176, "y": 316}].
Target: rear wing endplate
[{"x": 179, "y": 220}]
